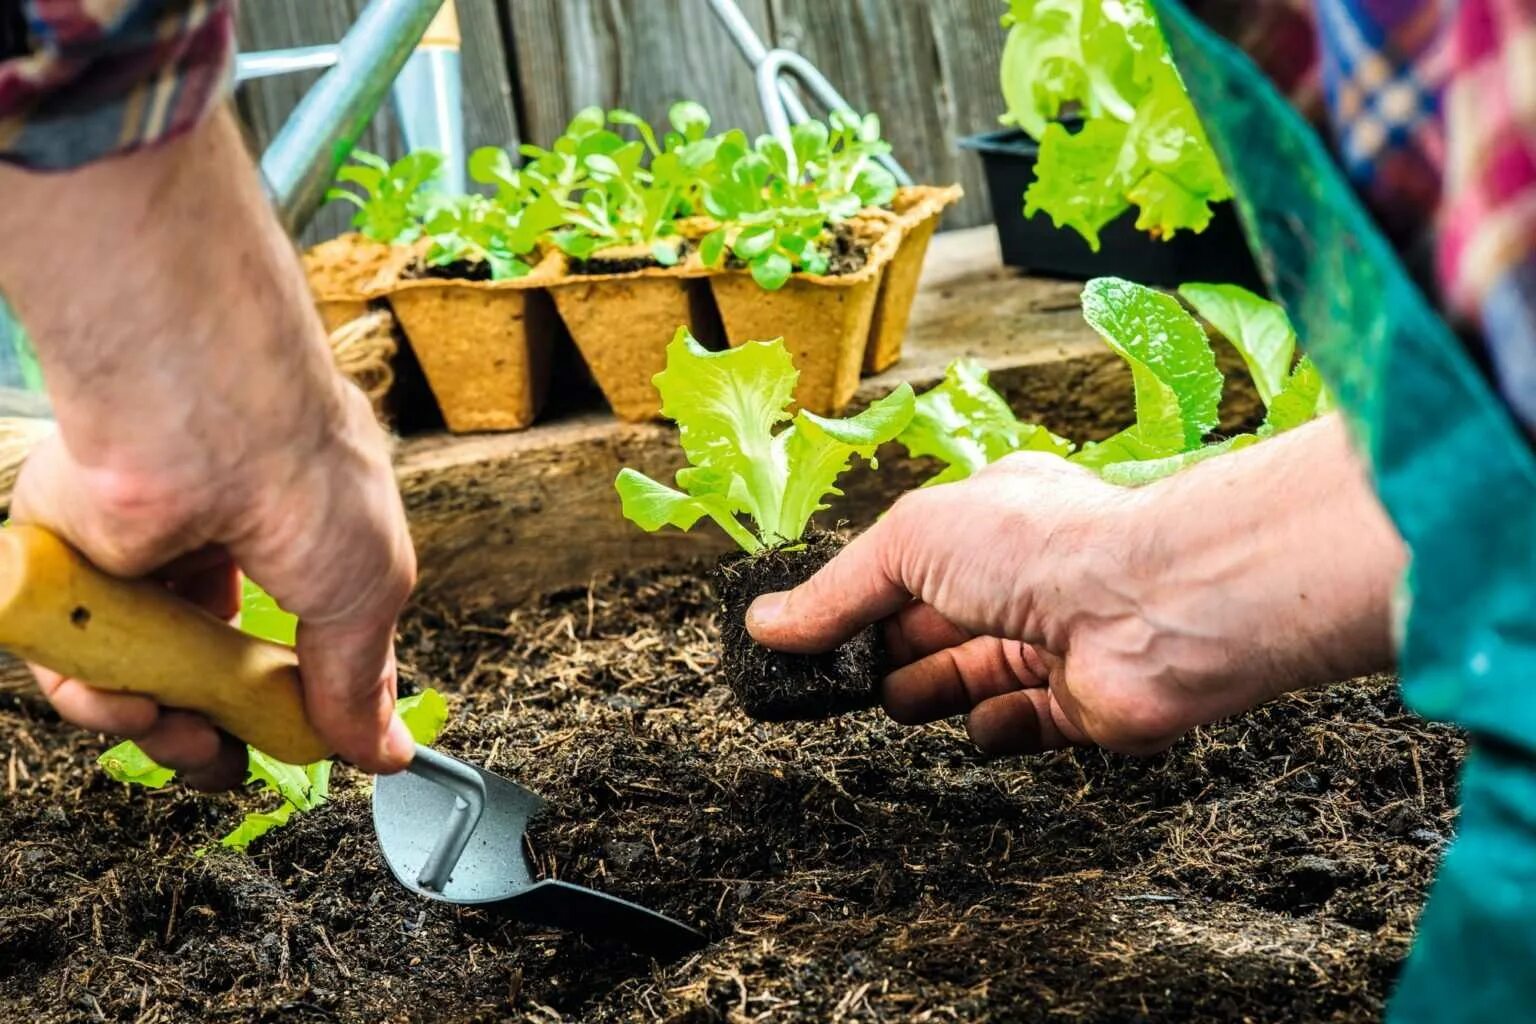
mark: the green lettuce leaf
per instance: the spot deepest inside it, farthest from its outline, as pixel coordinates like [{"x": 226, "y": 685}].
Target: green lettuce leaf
[
  {"x": 1173, "y": 370},
  {"x": 729, "y": 407},
  {"x": 1142, "y": 142},
  {"x": 818, "y": 450},
  {"x": 423, "y": 713},
  {"x": 127, "y": 763},
  {"x": 1256, "y": 327},
  {"x": 967, "y": 425},
  {"x": 1137, "y": 473},
  {"x": 260, "y": 615},
  {"x": 1076, "y": 183},
  {"x": 1304, "y": 397}
]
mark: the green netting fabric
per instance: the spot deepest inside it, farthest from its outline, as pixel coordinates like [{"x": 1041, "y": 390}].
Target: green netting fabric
[{"x": 1452, "y": 467}]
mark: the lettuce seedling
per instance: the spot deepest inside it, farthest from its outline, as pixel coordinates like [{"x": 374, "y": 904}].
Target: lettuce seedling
[
  {"x": 300, "y": 787},
  {"x": 473, "y": 229},
  {"x": 965, "y": 424},
  {"x": 392, "y": 198},
  {"x": 728, "y": 406},
  {"x": 1141, "y": 142}
]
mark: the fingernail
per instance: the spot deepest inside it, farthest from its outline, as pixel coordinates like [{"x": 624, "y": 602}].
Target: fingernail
[
  {"x": 766, "y": 611},
  {"x": 399, "y": 745}
]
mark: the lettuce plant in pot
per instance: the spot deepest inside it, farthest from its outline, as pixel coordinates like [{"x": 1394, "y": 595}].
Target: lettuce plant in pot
[
  {"x": 389, "y": 200},
  {"x": 473, "y": 312},
  {"x": 796, "y": 257},
  {"x": 628, "y": 277},
  {"x": 1106, "y": 142}
]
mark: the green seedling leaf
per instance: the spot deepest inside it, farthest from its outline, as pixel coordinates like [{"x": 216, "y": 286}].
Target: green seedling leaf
[
  {"x": 260, "y": 615},
  {"x": 967, "y": 425},
  {"x": 1139, "y": 473},
  {"x": 257, "y": 824},
  {"x": 690, "y": 119},
  {"x": 728, "y": 407},
  {"x": 1304, "y": 397},
  {"x": 712, "y": 247},
  {"x": 1256, "y": 327},
  {"x": 424, "y": 713},
  {"x": 391, "y": 198},
  {"x": 127, "y": 763},
  {"x": 772, "y": 271},
  {"x": 1173, "y": 370},
  {"x": 1142, "y": 142},
  {"x": 818, "y": 450}
]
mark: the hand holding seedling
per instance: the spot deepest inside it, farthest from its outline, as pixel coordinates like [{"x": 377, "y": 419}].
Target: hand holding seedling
[
  {"x": 203, "y": 427},
  {"x": 1052, "y": 608}
]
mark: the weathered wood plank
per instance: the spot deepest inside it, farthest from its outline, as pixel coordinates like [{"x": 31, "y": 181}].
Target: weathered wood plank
[
  {"x": 489, "y": 117},
  {"x": 928, "y": 67},
  {"x": 639, "y": 54}
]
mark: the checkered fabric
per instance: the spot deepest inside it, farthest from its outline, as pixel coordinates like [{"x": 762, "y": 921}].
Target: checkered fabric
[
  {"x": 84, "y": 79},
  {"x": 1433, "y": 104}
]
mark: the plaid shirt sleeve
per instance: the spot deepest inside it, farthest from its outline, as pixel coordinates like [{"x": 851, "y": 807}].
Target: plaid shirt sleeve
[{"x": 85, "y": 79}]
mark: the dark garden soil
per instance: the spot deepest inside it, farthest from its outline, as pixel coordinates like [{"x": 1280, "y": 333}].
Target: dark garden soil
[
  {"x": 458, "y": 270},
  {"x": 775, "y": 687},
  {"x": 1267, "y": 869},
  {"x": 628, "y": 263}
]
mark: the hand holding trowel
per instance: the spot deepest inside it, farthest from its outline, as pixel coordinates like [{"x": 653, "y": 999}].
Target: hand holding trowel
[{"x": 449, "y": 831}]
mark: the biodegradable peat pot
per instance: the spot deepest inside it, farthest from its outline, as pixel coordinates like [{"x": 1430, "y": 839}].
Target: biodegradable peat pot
[
  {"x": 823, "y": 319},
  {"x": 621, "y": 310},
  {"x": 1219, "y": 253},
  {"x": 343, "y": 272},
  {"x": 918, "y": 209},
  {"x": 484, "y": 346}
]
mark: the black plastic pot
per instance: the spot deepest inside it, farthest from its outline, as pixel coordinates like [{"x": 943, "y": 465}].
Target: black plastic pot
[{"x": 1219, "y": 253}]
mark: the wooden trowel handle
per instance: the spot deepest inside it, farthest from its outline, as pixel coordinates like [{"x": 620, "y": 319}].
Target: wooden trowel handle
[{"x": 137, "y": 637}]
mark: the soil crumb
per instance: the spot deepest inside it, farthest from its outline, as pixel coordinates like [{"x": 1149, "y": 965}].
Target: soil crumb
[
  {"x": 775, "y": 687},
  {"x": 627, "y": 262},
  {"x": 458, "y": 270},
  {"x": 851, "y": 870}
]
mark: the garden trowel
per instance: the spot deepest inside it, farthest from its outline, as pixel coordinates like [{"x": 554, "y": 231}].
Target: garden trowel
[{"x": 449, "y": 831}]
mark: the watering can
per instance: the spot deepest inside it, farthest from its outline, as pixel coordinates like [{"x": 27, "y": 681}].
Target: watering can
[{"x": 410, "y": 46}]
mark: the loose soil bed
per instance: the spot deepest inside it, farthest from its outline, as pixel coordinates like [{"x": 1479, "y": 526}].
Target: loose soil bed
[{"x": 851, "y": 870}]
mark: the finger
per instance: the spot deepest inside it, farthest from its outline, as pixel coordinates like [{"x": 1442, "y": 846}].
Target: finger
[
  {"x": 1022, "y": 722},
  {"x": 917, "y": 631},
  {"x": 858, "y": 587},
  {"x": 207, "y": 578},
  {"x": 349, "y": 693},
  {"x": 117, "y": 714},
  {"x": 957, "y": 679},
  {"x": 227, "y": 770},
  {"x": 188, "y": 743}
]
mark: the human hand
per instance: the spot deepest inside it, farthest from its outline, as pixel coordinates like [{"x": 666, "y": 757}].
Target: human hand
[
  {"x": 203, "y": 427},
  {"x": 1053, "y": 609}
]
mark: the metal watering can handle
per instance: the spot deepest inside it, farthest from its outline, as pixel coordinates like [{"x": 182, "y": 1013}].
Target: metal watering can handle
[{"x": 301, "y": 162}]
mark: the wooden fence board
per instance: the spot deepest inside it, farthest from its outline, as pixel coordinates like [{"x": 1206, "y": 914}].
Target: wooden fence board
[
  {"x": 639, "y": 54},
  {"x": 489, "y": 117}
]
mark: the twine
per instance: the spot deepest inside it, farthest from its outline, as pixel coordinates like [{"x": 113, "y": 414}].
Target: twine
[{"x": 364, "y": 350}]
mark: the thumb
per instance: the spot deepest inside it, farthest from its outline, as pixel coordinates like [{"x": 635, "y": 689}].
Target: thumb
[{"x": 860, "y": 586}]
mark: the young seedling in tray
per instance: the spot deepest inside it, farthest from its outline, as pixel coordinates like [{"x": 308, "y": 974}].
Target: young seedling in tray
[
  {"x": 390, "y": 198},
  {"x": 729, "y": 407}
]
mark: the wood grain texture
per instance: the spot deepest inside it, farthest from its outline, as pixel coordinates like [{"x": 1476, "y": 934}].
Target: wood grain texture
[
  {"x": 927, "y": 67},
  {"x": 489, "y": 117},
  {"x": 642, "y": 55}
]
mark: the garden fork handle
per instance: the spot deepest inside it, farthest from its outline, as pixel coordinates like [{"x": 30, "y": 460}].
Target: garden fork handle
[{"x": 135, "y": 636}]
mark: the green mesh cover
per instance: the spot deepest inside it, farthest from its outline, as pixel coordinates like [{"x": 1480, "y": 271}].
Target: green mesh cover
[{"x": 1452, "y": 467}]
